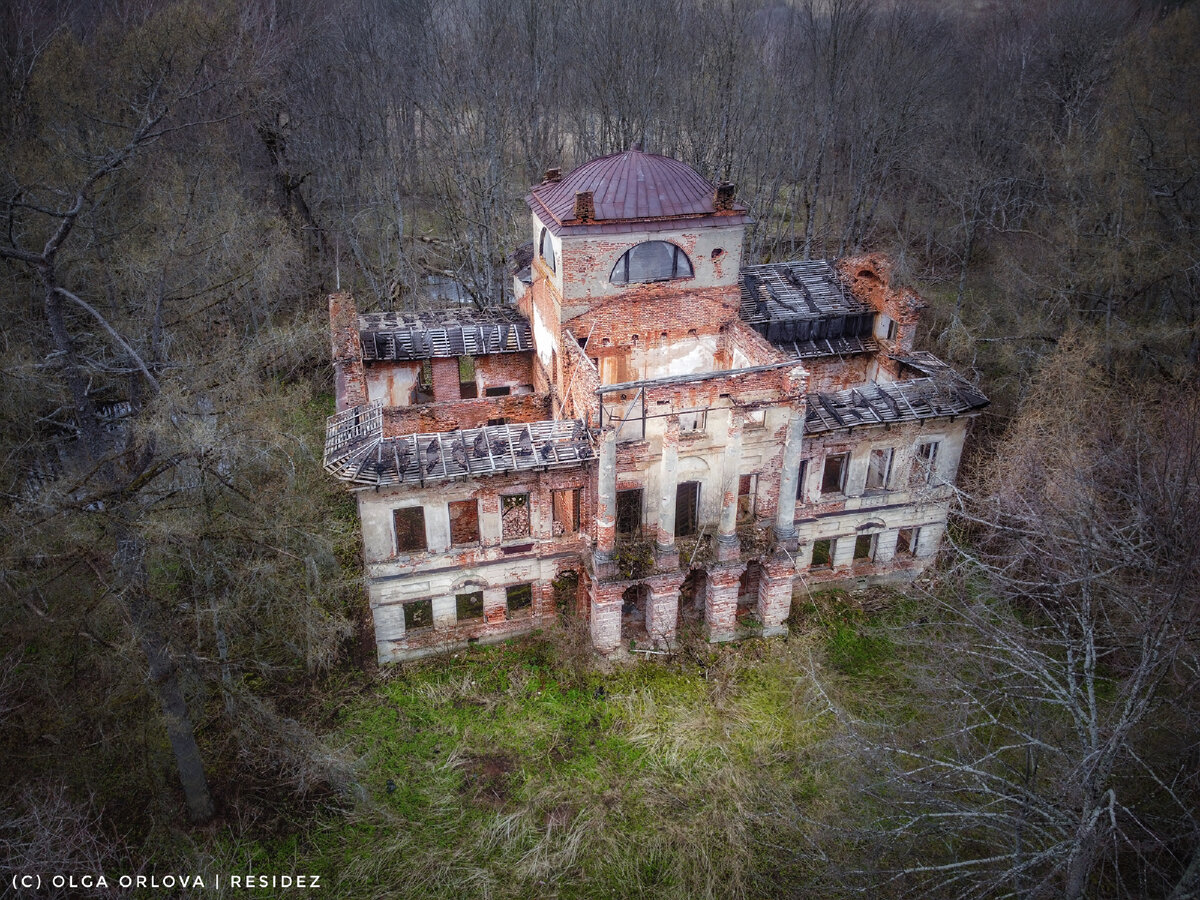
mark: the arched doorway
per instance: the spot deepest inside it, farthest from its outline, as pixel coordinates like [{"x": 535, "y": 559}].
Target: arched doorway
[
  {"x": 633, "y": 613},
  {"x": 691, "y": 597},
  {"x": 747, "y": 604}
]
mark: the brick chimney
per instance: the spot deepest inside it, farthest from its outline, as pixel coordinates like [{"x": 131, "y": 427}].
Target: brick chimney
[
  {"x": 585, "y": 206},
  {"x": 723, "y": 199},
  {"x": 553, "y": 176}
]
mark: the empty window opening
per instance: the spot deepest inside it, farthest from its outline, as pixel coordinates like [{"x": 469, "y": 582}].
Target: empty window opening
[
  {"x": 800, "y": 479},
  {"x": 629, "y": 512},
  {"x": 885, "y": 327},
  {"x": 822, "y": 553},
  {"x": 425, "y": 382},
  {"x": 878, "y": 469},
  {"x": 464, "y": 522},
  {"x": 502, "y": 391},
  {"x": 747, "y": 492},
  {"x": 687, "y": 508},
  {"x": 520, "y": 600},
  {"x": 468, "y": 606},
  {"x": 410, "y": 529},
  {"x": 546, "y": 251},
  {"x": 864, "y": 547},
  {"x": 467, "y": 388},
  {"x": 651, "y": 261},
  {"x": 833, "y": 478},
  {"x": 566, "y": 510},
  {"x": 693, "y": 422},
  {"x": 925, "y": 461},
  {"x": 906, "y": 542},
  {"x": 499, "y": 421},
  {"x": 514, "y": 516},
  {"x": 418, "y": 614},
  {"x": 756, "y": 418},
  {"x": 691, "y": 596}
]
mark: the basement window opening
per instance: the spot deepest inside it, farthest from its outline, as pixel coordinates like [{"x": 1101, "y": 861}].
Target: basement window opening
[
  {"x": 410, "y": 529},
  {"x": 514, "y": 516},
  {"x": 468, "y": 606},
  {"x": 864, "y": 547},
  {"x": 418, "y": 614},
  {"x": 520, "y": 600}
]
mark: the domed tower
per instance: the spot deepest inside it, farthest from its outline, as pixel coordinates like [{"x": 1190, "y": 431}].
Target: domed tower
[{"x": 637, "y": 256}]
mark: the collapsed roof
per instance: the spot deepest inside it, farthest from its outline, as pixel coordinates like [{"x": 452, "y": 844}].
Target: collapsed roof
[
  {"x": 805, "y": 307},
  {"x": 356, "y": 450},
  {"x": 456, "y": 331},
  {"x": 937, "y": 391}
]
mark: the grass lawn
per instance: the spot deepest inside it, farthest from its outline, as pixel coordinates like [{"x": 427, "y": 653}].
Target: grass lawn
[{"x": 533, "y": 769}]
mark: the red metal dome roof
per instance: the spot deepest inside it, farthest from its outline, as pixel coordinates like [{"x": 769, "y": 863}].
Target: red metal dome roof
[{"x": 627, "y": 188}]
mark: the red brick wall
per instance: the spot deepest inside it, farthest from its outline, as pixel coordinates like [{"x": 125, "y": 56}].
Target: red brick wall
[
  {"x": 350, "y": 380},
  {"x": 445, "y": 378},
  {"x": 757, "y": 349},
  {"x": 580, "y": 381},
  {"x": 648, "y": 310},
  {"x": 430, "y": 417},
  {"x": 500, "y": 369}
]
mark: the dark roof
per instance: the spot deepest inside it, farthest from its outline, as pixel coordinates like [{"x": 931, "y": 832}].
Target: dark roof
[
  {"x": 456, "y": 331},
  {"x": 940, "y": 392},
  {"x": 804, "y": 305},
  {"x": 356, "y": 450},
  {"x": 631, "y": 187}
]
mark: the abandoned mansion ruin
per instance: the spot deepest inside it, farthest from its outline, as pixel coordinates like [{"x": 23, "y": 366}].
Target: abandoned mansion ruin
[{"x": 654, "y": 437}]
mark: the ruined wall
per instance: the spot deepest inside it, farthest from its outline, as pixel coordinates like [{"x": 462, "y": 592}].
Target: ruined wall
[
  {"x": 451, "y": 415},
  {"x": 705, "y": 407},
  {"x": 660, "y": 311},
  {"x": 837, "y": 373},
  {"x": 394, "y": 383},
  {"x": 490, "y": 564},
  {"x": 588, "y": 259},
  {"x": 350, "y": 383},
  {"x": 580, "y": 381},
  {"x": 746, "y": 347},
  {"x": 869, "y": 277},
  {"x": 913, "y": 499},
  {"x": 511, "y": 370}
]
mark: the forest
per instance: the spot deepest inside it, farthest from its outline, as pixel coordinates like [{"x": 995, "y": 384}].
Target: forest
[{"x": 187, "y": 675}]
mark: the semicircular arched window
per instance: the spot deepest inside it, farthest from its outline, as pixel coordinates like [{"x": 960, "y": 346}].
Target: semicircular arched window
[
  {"x": 651, "y": 261},
  {"x": 546, "y": 250}
]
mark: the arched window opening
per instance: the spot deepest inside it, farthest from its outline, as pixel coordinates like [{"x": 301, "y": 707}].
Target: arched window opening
[
  {"x": 651, "y": 261},
  {"x": 546, "y": 250}
]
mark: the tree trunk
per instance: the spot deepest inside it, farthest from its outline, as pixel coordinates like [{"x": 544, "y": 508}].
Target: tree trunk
[{"x": 164, "y": 675}]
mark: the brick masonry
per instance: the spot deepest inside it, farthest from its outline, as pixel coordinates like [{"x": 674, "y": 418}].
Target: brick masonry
[{"x": 589, "y": 334}]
